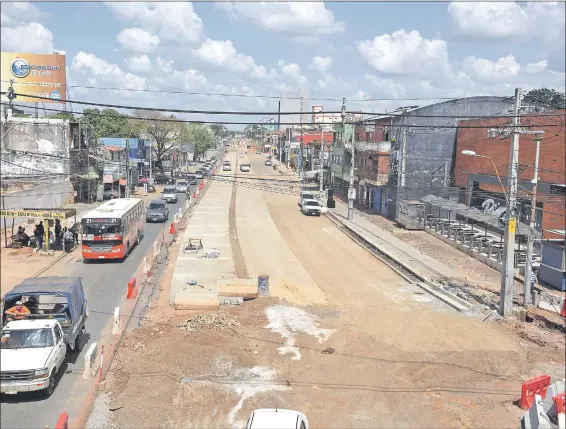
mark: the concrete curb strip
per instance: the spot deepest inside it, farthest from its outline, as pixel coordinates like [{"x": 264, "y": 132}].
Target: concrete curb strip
[{"x": 91, "y": 362}]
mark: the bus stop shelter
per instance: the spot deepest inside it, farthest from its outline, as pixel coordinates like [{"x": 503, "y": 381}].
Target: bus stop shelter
[{"x": 48, "y": 216}]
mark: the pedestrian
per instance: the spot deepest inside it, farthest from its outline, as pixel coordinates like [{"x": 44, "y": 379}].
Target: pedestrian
[
  {"x": 38, "y": 233},
  {"x": 58, "y": 235},
  {"x": 75, "y": 231},
  {"x": 68, "y": 239}
]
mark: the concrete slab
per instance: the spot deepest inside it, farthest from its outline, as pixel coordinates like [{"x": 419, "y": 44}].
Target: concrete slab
[
  {"x": 196, "y": 300},
  {"x": 232, "y": 287}
]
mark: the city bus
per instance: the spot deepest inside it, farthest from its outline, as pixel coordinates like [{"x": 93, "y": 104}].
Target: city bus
[{"x": 112, "y": 229}]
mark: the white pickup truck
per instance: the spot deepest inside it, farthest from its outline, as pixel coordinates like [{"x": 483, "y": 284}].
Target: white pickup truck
[
  {"x": 273, "y": 418},
  {"x": 32, "y": 352},
  {"x": 311, "y": 208}
]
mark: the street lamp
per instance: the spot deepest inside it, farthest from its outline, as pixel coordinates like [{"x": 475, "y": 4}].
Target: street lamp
[{"x": 468, "y": 152}]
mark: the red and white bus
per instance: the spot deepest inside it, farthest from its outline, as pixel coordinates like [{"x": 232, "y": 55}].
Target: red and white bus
[{"x": 113, "y": 228}]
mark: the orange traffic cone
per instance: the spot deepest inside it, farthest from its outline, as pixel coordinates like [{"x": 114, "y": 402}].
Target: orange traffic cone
[
  {"x": 172, "y": 228},
  {"x": 563, "y": 312},
  {"x": 194, "y": 195}
]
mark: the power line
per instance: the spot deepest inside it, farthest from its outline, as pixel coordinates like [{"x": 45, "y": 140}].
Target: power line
[
  {"x": 248, "y": 113},
  {"x": 186, "y": 121}
]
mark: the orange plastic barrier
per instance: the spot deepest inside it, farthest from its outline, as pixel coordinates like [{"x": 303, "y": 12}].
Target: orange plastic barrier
[
  {"x": 172, "y": 228},
  {"x": 62, "y": 422},
  {"x": 560, "y": 403},
  {"x": 530, "y": 388},
  {"x": 132, "y": 288},
  {"x": 563, "y": 312},
  {"x": 194, "y": 195}
]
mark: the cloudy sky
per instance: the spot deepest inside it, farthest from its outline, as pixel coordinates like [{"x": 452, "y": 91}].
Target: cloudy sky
[{"x": 392, "y": 52}]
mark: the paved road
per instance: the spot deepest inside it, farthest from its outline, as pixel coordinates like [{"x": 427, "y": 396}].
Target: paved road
[{"x": 105, "y": 286}]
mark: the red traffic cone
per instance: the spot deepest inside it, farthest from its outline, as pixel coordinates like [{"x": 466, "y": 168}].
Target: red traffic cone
[
  {"x": 194, "y": 195},
  {"x": 172, "y": 228},
  {"x": 563, "y": 312}
]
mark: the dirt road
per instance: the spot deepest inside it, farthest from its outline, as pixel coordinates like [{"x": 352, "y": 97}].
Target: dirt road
[{"x": 369, "y": 350}]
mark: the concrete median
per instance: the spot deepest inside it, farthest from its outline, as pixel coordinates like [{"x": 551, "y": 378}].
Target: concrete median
[
  {"x": 92, "y": 363},
  {"x": 243, "y": 288}
]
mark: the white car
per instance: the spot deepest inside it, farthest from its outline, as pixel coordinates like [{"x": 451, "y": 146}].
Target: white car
[
  {"x": 306, "y": 195},
  {"x": 268, "y": 162},
  {"x": 31, "y": 354},
  {"x": 182, "y": 187},
  {"x": 273, "y": 418},
  {"x": 311, "y": 208},
  {"x": 170, "y": 195},
  {"x": 227, "y": 167}
]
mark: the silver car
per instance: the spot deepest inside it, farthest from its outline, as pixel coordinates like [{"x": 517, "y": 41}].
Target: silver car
[{"x": 182, "y": 187}]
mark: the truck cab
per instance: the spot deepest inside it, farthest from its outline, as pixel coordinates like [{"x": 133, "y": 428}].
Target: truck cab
[
  {"x": 32, "y": 352},
  {"x": 273, "y": 418}
]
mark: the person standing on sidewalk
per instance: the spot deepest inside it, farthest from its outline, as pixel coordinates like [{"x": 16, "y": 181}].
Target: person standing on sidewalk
[
  {"x": 38, "y": 233},
  {"x": 68, "y": 238},
  {"x": 58, "y": 234}
]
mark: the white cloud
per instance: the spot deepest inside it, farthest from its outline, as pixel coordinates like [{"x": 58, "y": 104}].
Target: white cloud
[
  {"x": 139, "y": 63},
  {"x": 102, "y": 73},
  {"x": 537, "y": 67},
  {"x": 189, "y": 80},
  {"x": 387, "y": 87},
  {"x": 291, "y": 70},
  {"x": 488, "y": 71},
  {"x": 176, "y": 22},
  {"x": 508, "y": 19},
  {"x": 14, "y": 13},
  {"x": 32, "y": 37},
  {"x": 405, "y": 54},
  {"x": 287, "y": 17},
  {"x": 223, "y": 55},
  {"x": 138, "y": 40},
  {"x": 322, "y": 64},
  {"x": 164, "y": 65}
]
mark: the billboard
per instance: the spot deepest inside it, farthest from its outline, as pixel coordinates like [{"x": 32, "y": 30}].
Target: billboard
[{"x": 34, "y": 74}]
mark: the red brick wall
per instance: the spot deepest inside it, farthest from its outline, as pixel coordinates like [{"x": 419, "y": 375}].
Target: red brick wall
[{"x": 552, "y": 149}]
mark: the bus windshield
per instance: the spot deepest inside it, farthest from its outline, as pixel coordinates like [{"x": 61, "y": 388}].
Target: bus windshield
[{"x": 100, "y": 229}]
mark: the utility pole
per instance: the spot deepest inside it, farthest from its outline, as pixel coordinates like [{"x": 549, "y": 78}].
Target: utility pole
[
  {"x": 508, "y": 267},
  {"x": 127, "y": 190},
  {"x": 351, "y": 188},
  {"x": 531, "y": 238},
  {"x": 321, "y": 158},
  {"x": 403, "y": 150},
  {"x": 301, "y": 147}
]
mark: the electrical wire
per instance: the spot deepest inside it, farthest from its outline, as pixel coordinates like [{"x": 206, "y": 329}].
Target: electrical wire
[{"x": 248, "y": 113}]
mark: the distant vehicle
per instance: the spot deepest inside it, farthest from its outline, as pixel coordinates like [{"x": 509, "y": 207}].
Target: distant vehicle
[
  {"x": 227, "y": 166},
  {"x": 112, "y": 229},
  {"x": 241, "y": 155},
  {"x": 268, "y": 162},
  {"x": 157, "y": 211},
  {"x": 311, "y": 208},
  {"x": 306, "y": 195},
  {"x": 199, "y": 174},
  {"x": 164, "y": 180},
  {"x": 191, "y": 179},
  {"x": 192, "y": 163},
  {"x": 110, "y": 194},
  {"x": 273, "y": 418},
  {"x": 182, "y": 187},
  {"x": 245, "y": 167},
  {"x": 170, "y": 194},
  {"x": 258, "y": 152}
]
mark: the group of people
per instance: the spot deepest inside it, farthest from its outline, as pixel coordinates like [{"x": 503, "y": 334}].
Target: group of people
[{"x": 65, "y": 238}]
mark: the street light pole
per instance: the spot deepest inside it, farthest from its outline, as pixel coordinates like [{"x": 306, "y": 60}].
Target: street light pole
[
  {"x": 351, "y": 185},
  {"x": 531, "y": 238}
]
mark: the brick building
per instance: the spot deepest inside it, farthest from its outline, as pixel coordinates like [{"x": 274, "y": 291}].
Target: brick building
[{"x": 477, "y": 176}]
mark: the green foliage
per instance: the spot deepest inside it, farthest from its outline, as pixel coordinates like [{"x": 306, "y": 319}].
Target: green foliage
[
  {"x": 548, "y": 97},
  {"x": 251, "y": 131},
  {"x": 200, "y": 138},
  {"x": 218, "y": 130},
  {"x": 108, "y": 123},
  {"x": 63, "y": 115}
]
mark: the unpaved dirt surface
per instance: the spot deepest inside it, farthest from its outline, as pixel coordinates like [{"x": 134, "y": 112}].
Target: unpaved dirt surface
[{"x": 377, "y": 353}]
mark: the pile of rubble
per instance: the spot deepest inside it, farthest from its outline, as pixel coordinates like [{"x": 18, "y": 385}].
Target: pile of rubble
[{"x": 217, "y": 320}]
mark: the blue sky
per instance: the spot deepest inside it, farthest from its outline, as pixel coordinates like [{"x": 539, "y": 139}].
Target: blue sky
[{"x": 361, "y": 51}]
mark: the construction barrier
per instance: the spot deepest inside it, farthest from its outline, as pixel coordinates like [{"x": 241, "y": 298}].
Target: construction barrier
[
  {"x": 563, "y": 312},
  {"x": 156, "y": 248},
  {"x": 194, "y": 195},
  {"x": 172, "y": 228},
  {"x": 101, "y": 363},
  {"x": 530, "y": 388},
  {"x": 62, "y": 421},
  {"x": 90, "y": 360},
  {"x": 117, "y": 326},
  {"x": 180, "y": 211},
  {"x": 560, "y": 403},
  {"x": 132, "y": 288},
  {"x": 146, "y": 266}
]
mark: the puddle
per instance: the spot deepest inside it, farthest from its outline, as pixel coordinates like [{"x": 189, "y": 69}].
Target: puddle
[{"x": 288, "y": 321}]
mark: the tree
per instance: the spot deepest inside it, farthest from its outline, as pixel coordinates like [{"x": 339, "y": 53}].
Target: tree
[
  {"x": 165, "y": 131},
  {"x": 218, "y": 130},
  {"x": 63, "y": 115},
  {"x": 251, "y": 131},
  {"x": 200, "y": 138},
  {"x": 108, "y": 123},
  {"x": 548, "y": 97}
]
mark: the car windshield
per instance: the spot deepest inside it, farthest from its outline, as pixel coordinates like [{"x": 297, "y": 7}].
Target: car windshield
[
  {"x": 308, "y": 197},
  {"x": 182, "y": 183},
  {"x": 156, "y": 206},
  {"x": 169, "y": 190},
  {"x": 311, "y": 203},
  {"x": 26, "y": 338}
]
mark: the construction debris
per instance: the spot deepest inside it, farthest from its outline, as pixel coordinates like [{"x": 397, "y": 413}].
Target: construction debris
[{"x": 217, "y": 320}]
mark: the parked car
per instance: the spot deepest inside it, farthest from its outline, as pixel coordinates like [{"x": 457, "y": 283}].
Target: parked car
[
  {"x": 182, "y": 187},
  {"x": 157, "y": 211},
  {"x": 110, "y": 194},
  {"x": 311, "y": 208},
  {"x": 268, "y": 162},
  {"x": 277, "y": 418},
  {"x": 245, "y": 167},
  {"x": 170, "y": 194}
]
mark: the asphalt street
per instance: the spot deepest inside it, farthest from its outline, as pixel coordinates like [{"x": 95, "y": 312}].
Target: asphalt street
[{"x": 104, "y": 283}]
